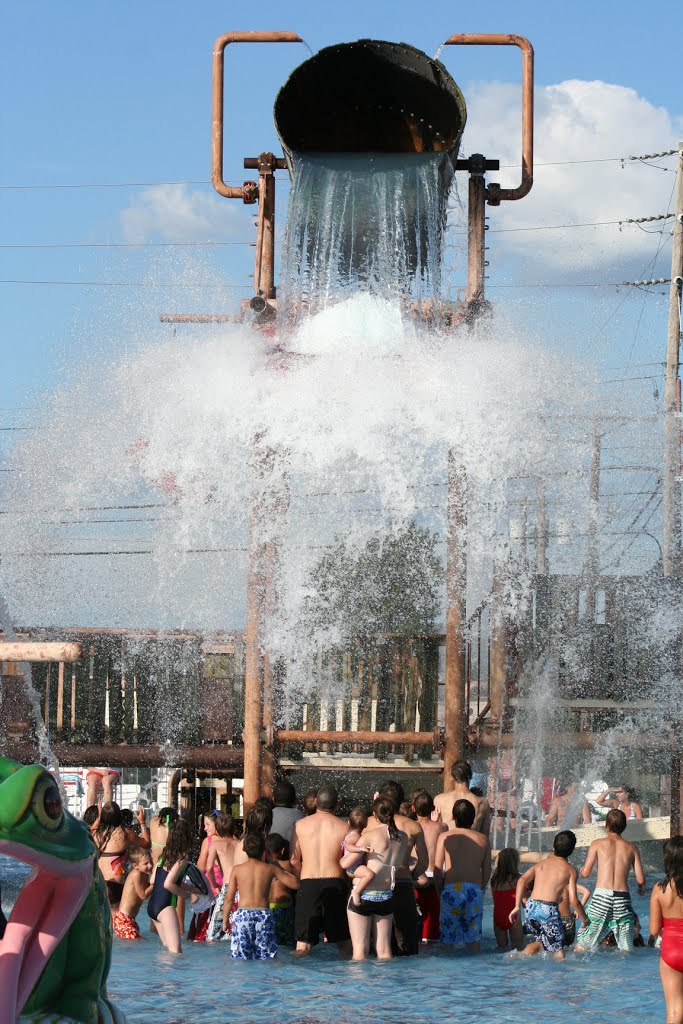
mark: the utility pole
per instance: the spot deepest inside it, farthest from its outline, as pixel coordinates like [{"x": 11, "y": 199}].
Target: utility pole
[
  {"x": 671, "y": 487},
  {"x": 541, "y": 532},
  {"x": 671, "y": 482},
  {"x": 593, "y": 552}
]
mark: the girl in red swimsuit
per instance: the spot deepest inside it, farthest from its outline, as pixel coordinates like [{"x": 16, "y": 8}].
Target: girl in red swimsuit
[
  {"x": 666, "y": 916},
  {"x": 503, "y": 886}
]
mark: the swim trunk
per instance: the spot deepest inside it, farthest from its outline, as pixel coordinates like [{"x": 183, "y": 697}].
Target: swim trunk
[
  {"x": 100, "y": 773},
  {"x": 462, "y": 909},
  {"x": 253, "y": 935},
  {"x": 373, "y": 903},
  {"x": 569, "y": 929},
  {"x": 199, "y": 926},
  {"x": 543, "y": 923},
  {"x": 321, "y": 906},
  {"x": 609, "y": 910},
  {"x": 429, "y": 903},
  {"x": 283, "y": 916},
  {"x": 125, "y": 926},
  {"x": 214, "y": 932},
  {"x": 405, "y": 939}
]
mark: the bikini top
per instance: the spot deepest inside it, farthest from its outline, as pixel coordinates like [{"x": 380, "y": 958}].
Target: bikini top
[{"x": 380, "y": 856}]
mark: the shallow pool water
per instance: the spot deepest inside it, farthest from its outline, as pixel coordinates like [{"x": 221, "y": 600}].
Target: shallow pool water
[{"x": 205, "y": 986}]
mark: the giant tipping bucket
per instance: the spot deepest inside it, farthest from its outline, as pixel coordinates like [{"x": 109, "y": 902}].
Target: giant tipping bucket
[{"x": 370, "y": 97}]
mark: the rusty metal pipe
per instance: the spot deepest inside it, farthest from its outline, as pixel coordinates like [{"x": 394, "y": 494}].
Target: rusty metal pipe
[
  {"x": 349, "y": 736},
  {"x": 134, "y": 756},
  {"x": 455, "y": 713},
  {"x": 172, "y": 796},
  {"x": 217, "y": 94},
  {"x": 496, "y": 194},
  {"x": 577, "y": 740},
  {"x": 251, "y": 163}
]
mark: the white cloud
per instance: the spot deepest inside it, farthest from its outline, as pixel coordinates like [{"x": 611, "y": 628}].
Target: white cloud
[
  {"x": 181, "y": 214},
  {"x": 576, "y": 120}
]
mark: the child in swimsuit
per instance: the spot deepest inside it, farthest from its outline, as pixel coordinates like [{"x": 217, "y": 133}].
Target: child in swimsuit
[
  {"x": 550, "y": 877},
  {"x": 168, "y": 885},
  {"x": 220, "y": 861},
  {"x": 253, "y": 926},
  {"x": 666, "y": 916},
  {"x": 280, "y": 897},
  {"x": 135, "y": 889},
  {"x": 503, "y": 885},
  {"x": 352, "y": 862}
]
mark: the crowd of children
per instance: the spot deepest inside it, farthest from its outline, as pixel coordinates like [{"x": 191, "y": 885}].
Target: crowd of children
[{"x": 390, "y": 877}]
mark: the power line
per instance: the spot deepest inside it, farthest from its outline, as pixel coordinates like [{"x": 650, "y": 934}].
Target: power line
[
  {"x": 218, "y": 244},
  {"x": 113, "y": 184},
  {"x": 206, "y": 181},
  {"x": 124, "y": 284},
  {"x": 116, "y": 245}
]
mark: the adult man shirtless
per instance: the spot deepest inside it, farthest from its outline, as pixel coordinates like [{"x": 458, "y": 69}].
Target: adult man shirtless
[
  {"x": 445, "y": 802},
  {"x": 462, "y": 866},
  {"x": 610, "y": 907},
  {"x": 549, "y": 878},
  {"x": 406, "y": 939},
  {"x": 428, "y": 895},
  {"x": 324, "y": 889},
  {"x": 568, "y": 808}
]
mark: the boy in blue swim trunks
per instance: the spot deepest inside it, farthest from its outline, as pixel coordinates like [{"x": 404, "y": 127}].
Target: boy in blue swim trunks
[
  {"x": 253, "y": 926},
  {"x": 549, "y": 878},
  {"x": 462, "y": 865}
]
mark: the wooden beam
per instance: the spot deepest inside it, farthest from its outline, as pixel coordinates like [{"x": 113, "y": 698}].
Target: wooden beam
[{"x": 41, "y": 650}]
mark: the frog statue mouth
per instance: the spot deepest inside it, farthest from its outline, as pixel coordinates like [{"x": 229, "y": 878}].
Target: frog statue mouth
[
  {"x": 44, "y": 911},
  {"x": 35, "y": 829}
]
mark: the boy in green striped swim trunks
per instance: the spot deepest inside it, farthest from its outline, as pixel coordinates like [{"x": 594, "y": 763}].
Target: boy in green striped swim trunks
[{"x": 609, "y": 909}]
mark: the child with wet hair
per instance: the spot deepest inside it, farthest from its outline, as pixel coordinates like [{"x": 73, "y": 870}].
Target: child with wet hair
[
  {"x": 353, "y": 862},
  {"x": 135, "y": 889},
  {"x": 280, "y": 898},
  {"x": 253, "y": 927},
  {"x": 407, "y": 810},
  {"x": 504, "y": 886},
  {"x": 310, "y": 801}
]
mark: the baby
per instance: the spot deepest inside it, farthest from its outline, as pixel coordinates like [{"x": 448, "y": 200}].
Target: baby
[{"x": 351, "y": 861}]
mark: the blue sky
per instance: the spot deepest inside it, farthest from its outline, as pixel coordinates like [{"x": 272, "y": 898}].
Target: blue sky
[{"x": 118, "y": 97}]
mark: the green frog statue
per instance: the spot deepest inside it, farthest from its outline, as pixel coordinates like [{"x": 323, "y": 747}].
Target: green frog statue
[{"x": 56, "y": 951}]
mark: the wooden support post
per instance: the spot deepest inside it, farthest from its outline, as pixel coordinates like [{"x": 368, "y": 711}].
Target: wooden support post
[
  {"x": 60, "y": 698},
  {"x": 253, "y": 677},
  {"x": 455, "y": 713},
  {"x": 275, "y": 508},
  {"x": 498, "y": 678}
]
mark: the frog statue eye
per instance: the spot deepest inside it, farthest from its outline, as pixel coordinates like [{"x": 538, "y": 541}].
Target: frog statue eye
[{"x": 46, "y": 803}]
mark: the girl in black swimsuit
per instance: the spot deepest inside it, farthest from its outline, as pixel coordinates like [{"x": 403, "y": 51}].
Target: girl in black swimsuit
[{"x": 168, "y": 884}]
